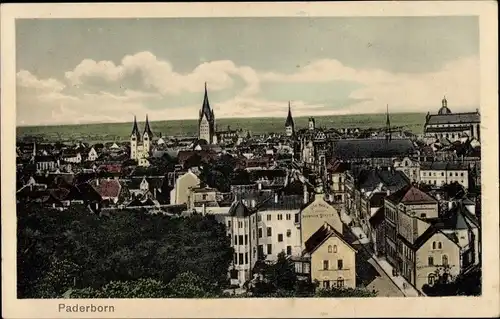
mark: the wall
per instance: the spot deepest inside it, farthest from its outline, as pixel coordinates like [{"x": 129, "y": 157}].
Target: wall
[
  {"x": 344, "y": 252},
  {"x": 448, "y": 248},
  {"x": 315, "y": 215}
]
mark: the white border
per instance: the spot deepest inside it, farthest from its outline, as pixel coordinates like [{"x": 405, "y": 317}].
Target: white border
[{"x": 487, "y": 305}]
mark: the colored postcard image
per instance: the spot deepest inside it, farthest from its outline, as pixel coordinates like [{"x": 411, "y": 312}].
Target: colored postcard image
[{"x": 248, "y": 157}]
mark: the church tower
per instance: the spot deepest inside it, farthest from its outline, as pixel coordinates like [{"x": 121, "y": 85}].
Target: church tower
[
  {"x": 444, "y": 107},
  {"x": 289, "y": 124},
  {"x": 206, "y": 122},
  {"x": 147, "y": 136},
  {"x": 134, "y": 140},
  {"x": 388, "y": 133},
  {"x": 312, "y": 124}
]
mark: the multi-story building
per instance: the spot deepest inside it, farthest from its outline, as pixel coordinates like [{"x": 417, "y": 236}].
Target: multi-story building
[
  {"x": 452, "y": 126},
  {"x": 410, "y": 167},
  {"x": 440, "y": 173},
  {"x": 180, "y": 193},
  {"x": 140, "y": 148}
]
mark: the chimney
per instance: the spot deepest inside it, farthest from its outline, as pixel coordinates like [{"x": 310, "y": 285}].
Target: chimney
[{"x": 276, "y": 198}]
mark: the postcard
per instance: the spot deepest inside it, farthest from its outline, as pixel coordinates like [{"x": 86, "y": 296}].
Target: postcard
[{"x": 225, "y": 160}]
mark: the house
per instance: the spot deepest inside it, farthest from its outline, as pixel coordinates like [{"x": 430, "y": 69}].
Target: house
[
  {"x": 108, "y": 189},
  {"x": 315, "y": 214},
  {"x": 408, "y": 216},
  {"x": 45, "y": 162},
  {"x": 92, "y": 155},
  {"x": 202, "y": 197},
  {"x": 71, "y": 156},
  {"x": 336, "y": 171},
  {"x": 440, "y": 173},
  {"x": 410, "y": 167},
  {"x": 180, "y": 192},
  {"x": 328, "y": 259}
]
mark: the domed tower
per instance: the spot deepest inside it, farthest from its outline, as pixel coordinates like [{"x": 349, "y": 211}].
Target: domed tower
[
  {"x": 134, "y": 140},
  {"x": 147, "y": 136},
  {"x": 444, "y": 107},
  {"x": 289, "y": 124}
]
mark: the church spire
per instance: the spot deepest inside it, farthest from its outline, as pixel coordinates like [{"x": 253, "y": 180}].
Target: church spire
[
  {"x": 205, "y": 109},
  {"x": 289, "y": 118},
  {"x": 147, "y": 128},
  {"x": 388, "y": 134},
  {"x": 135, "y": 129}
]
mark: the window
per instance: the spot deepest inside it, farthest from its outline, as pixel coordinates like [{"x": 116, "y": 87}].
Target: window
[
  {"x": 246, "y": 258},
  {"x": 326, "y": 265},
  {"x": 228, "y": 224},
  {"x": 297, "y": 217},
  {"x": 288, "y": 250},
  {"x": 288, "y": 216},
  {"x": 440, "y": 245},
  {"x": 430, "y": 279},
  {"x": 246, "y": 239},
  {"x": 451, "y": 174},
  {"x": 326, "y": 284},
  {"x": 269, "y": 217},
  {"x": 340, "y": 282},
  {"x": 330, "y": 249},
  {"x": 240, "y": 224},
  {"x": 260, "y": 232},
  {"x": 234, "y": 274},
  {"x": 461, "y": 174},
  {"x": 280, "y": 216},
  {"x": 259, "y": 218},
  {"x": 261, "y": 251},
  {"x": 269, "y": 232},
  {"x": 240, "y": 257},
  {"x": 442, "y": 173},
  {"x": 340, "y": 264},
  {"x": 269, "y": 249},
  {"x": 430, "y": 261},
  {"x": 423, "y": 215},
  {"x": 456, "y": 174},
  {"x": 280, "y": 238},
  {"x": 235, "y": 240},
  {"x": 241, "y": 240},
  {"x": 334, "y": 248},
  {"x": 288, "y": 233},
  {"x": 423, "y": 173},
  {"x": 444, "y": 259}
]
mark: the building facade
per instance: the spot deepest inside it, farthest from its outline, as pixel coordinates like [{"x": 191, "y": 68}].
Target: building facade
[
  {"x": 206, "y": 122},
  {"x": 140, "y": 145}
]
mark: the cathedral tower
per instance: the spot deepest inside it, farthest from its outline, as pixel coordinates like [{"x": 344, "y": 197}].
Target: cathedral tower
[
  {"x": 134, "y": 140},
  {"x": 147, "y": 136},
  {"x": 206, "y": 122},
  {"x": 289, "y": 124}
]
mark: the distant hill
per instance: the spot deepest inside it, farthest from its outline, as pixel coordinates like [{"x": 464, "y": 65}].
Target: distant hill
[{"x": 120, "y": 131}]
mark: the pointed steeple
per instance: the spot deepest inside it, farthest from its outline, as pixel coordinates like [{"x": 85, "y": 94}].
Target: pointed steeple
[
  {"x": 388, "y": 134},
  {"x": 205, "y": 109},
  {"x": 147, "y": 129},
  {"x": 135, "y": 129},
  {"x": 289, "y": 118}
]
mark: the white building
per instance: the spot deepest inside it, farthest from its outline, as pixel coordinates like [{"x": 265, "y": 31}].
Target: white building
[
  {"x": 410, "y": 167},
  {"x": 440, "y": 173}
]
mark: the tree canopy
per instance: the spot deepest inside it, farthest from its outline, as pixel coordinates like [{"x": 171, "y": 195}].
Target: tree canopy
[{"x": 58, "y": 250}]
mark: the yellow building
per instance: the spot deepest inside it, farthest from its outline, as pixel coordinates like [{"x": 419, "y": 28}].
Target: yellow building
[
  {"x": 328, "y": 259},
  {"x": 180, "y": 193},
  {"x": 315, "y": 215}
]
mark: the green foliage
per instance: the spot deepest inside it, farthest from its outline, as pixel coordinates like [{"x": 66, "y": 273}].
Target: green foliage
[
  {"x": 142, "y": 288},
  {"x": 76, "y": 249},
  {"x": 187, "y": 285}
]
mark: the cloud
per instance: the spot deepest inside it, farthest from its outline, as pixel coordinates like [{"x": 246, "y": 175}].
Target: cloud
[
  {"x": 99, "y": 90},
  {"x": 159, "y": 75},
  {"x": 458, "y": 79},
  {"x": 27, "y": 80}
]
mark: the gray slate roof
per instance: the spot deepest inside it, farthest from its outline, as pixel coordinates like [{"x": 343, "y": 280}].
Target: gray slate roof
[
  {"x": 372, "y": 148},
  {"x": 454, "y": 118}
]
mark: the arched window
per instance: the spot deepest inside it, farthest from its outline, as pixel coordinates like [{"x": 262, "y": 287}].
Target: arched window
[
  {"x": 334, "y": 248},
  {"x": 444, "y": 259},
  {"x": 440, "y": 245},
  {"x": 433, "y": 245},
  {"x": 330, "y": 249}
]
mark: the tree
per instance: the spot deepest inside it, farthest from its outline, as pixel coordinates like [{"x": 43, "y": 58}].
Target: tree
[
  {"x": 282, "y": 273},
  {"x": 194, "y": 160},
  {"x": 141, "y": 288},
  {"x": 187, "y": 285}
]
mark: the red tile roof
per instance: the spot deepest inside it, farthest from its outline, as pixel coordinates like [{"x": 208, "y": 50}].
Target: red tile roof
[
  {"x": 107, "y": 188},
  {"x": 410, "y": 194}
]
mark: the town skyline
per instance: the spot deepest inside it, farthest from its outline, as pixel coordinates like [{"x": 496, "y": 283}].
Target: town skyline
[{"x": 162, "y": 75}]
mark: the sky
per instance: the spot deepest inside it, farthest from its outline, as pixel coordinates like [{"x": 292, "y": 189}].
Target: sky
[{"x": 72, "y": 71}]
